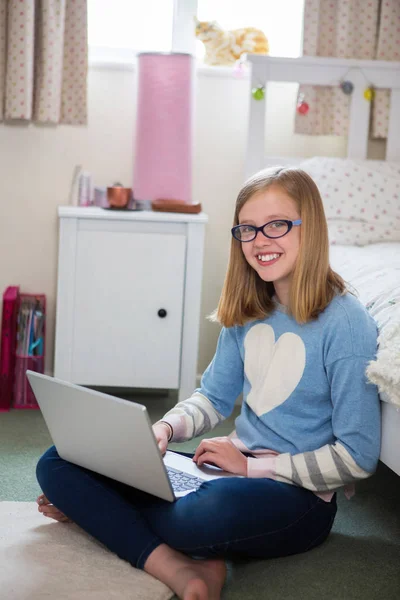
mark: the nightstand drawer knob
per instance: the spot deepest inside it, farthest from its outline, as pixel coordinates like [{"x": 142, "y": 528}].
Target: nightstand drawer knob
[{"x": 162, "y": 313}]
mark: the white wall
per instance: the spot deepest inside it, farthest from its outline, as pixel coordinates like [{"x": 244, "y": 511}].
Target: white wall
[{"x": 37, "y": 163}]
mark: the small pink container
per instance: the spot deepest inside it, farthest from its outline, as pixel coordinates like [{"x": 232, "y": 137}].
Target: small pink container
[{"x": 163, "y": 144}]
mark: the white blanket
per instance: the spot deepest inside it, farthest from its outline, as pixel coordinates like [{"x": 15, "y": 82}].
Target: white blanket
[
  {"x": 385, "y": 370},
  {"x": 42, "y": 559},
  {"x": 374, "y": 272}
]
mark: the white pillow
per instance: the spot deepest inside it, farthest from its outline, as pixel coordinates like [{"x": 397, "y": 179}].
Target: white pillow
[
  {"x": 358, "y": 233},
  {"x": 391, "y": 169},
  {"x": 364, "y": 196}
]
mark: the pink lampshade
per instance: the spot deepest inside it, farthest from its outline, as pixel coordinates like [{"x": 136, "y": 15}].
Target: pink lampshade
[{"x": 163, "y": 144}]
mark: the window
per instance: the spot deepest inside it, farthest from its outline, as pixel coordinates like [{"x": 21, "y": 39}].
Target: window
[
  {"x": 284, "y": 34},
  {"x": 136, "y": 25},
  {"x": 120, "y": 28}
]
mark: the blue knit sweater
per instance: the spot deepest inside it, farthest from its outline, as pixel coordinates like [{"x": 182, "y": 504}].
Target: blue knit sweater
[{"x": 309, "y": 415}]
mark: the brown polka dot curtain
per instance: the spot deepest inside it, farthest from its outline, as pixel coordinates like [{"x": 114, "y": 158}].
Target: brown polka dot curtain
[
  {"x": 43, "y": 61},
  {"x": 360, "y": 29}
]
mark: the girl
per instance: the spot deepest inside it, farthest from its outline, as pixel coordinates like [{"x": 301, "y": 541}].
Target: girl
[{"x": 297, "y": 344}]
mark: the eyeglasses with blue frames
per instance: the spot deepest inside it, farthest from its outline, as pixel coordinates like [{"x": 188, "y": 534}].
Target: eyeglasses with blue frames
[{"x": 273, "y": 230}]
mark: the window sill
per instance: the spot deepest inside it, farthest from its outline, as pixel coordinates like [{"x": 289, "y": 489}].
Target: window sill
[{"x": 125, "y": 60}]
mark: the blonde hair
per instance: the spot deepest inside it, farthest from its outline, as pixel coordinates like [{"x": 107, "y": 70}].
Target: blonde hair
[{"x": 245, "y": 296}]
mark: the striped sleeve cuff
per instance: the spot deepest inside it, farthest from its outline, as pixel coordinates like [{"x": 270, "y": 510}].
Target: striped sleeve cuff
[
  {"x": 324, "y": 469},
  {"x": 261, "y": 467},
  {"x": 321, "y": 470},
  {"x": 178, "y": 426},
  {"x": 327, "y": 468},
  {"x": 192, "y": 417}
]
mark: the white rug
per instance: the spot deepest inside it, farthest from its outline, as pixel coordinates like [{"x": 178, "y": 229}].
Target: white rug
[{"x": 42, "y": 559}]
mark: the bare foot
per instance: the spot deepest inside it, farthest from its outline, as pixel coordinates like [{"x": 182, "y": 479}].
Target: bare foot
[
  {"x": 203, "y": 579},
  {"x": 190, "y": 579},
  {"x": 49, "y": 510},
  {"x": 196, "y": 590}
]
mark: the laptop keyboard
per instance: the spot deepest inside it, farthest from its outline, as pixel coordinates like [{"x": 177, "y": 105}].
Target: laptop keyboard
[{"x": 181, "y": 482}]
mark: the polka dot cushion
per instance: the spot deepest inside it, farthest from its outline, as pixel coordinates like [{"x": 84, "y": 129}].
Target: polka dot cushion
[{"x": 361, "y": 199}]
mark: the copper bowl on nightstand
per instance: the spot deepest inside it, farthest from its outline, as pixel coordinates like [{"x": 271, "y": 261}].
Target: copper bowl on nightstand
[{"x": 118, "y": 196}]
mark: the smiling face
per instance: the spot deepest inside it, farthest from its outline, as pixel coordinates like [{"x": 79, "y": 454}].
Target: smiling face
[{"x": 273, "y": 259}]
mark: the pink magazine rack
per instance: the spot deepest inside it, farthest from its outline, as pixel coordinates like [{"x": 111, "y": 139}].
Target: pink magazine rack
[
  {"x": 8, "y": 346},
  {"x": 23, "y": 397}
]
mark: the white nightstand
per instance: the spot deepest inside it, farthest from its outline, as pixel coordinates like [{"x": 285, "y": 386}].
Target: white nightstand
[{"x": 128, "y": 300}]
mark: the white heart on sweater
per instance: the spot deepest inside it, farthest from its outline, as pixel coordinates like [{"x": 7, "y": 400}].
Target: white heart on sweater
[{"x": 273, "y": 369}]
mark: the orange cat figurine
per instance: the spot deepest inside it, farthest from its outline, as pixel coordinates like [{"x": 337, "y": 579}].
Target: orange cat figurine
[{"x": 226, "y": 47}]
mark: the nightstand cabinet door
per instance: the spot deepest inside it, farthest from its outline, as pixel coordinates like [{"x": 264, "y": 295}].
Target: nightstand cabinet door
[{"x": 128, "y": 309}]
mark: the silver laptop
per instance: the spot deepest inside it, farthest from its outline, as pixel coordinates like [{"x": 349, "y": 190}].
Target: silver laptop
[{"x": 114, "y": 437}]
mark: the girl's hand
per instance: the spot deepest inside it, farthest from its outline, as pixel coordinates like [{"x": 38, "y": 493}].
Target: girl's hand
[
  {"x": 49, "y": 510},
  {"x": 161, "y": 432},
  {"x": 223, "y": 453}
]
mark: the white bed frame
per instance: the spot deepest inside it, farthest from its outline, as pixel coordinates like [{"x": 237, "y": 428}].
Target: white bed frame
[{"x": 329, "y": 72}]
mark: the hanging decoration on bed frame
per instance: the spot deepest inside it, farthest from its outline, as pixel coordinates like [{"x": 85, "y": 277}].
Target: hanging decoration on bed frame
[
  {"x": 258, "y": 93},
  {"x": 347, "y": 87},
  {"x": 369, "y": 93},
  {"x": 302, "y": 106}
]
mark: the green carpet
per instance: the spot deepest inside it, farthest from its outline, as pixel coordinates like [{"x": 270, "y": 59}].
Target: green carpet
[{"x": 359, "y": 561}]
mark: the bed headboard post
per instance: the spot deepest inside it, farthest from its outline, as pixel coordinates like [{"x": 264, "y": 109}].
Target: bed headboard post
[
  {"x": 357, "y": 140},
  {"x": 256, "y": 128},
  {"x": 393, "y": 141}
]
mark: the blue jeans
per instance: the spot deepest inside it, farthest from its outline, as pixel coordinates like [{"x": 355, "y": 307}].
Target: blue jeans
[{"x": 232, "y": 517}]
